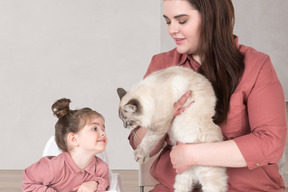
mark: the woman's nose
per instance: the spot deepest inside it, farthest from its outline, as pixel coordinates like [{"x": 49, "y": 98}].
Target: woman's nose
[{"x": 173, "y": 28}]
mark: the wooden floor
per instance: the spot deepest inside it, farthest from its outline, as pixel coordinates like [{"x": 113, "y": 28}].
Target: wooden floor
[{"x": 10, "y": 181}]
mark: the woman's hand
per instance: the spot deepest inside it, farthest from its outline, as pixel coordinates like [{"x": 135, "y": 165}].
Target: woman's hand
[
  {"x": 179, "y": 158},
  {"x": 178, "y": 106},
  {"x": 219, "y": 154},
  {"x": 90, "y": 186}
]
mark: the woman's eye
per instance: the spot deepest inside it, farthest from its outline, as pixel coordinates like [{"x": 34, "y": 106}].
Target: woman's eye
[
  {"x": 167, "y": 21},
  {"x": 94, "y": 129},
  {"x": 183, "y": 22}
]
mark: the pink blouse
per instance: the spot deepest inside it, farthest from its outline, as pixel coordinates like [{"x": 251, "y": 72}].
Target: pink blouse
[
  {"x": 256, "y": 122},
  {"x": 60, "y": 173}
]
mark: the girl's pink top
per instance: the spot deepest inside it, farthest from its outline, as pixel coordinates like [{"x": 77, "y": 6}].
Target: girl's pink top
[
  {"x": 61, "y": 174},
  {"x": 256, "y": 122}
]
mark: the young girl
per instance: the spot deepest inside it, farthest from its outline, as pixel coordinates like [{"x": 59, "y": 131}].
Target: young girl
[{"x": 80, "y": 134}]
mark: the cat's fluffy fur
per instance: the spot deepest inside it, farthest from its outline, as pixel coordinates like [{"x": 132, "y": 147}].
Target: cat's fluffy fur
[{"x": 150, "y": 104}]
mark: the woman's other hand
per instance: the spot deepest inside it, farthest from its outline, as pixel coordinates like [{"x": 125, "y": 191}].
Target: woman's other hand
[{"x": 179, "y": 105}]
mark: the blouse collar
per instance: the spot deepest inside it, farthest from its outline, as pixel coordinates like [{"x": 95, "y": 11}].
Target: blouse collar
[
  {"x": 188, "y": 61},
  {"x": 194, "y": 64},
  {"x": 91, "y": 168}
]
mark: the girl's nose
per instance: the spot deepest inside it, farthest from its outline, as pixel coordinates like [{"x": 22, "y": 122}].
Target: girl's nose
[{"x": 102, "y": 133}]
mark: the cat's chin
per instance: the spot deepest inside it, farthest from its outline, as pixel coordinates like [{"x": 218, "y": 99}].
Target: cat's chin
[{"x": 132, "y": 127}]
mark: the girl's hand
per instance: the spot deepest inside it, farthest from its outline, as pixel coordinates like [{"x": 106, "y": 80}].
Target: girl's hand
[
  {"x": 90, "y": 186},
  {"x": 178, "y": 106},
  {"x": 179, "y": 158}
]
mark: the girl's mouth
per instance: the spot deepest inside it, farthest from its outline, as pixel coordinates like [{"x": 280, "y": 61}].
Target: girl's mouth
[{"x": 101, "y": 140}]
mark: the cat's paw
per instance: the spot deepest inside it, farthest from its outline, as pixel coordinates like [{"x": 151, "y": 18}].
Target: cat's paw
[{"x": 140, "y": 155}]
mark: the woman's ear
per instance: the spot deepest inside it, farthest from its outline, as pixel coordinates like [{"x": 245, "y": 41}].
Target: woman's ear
[{"x": 72, "y": 139}]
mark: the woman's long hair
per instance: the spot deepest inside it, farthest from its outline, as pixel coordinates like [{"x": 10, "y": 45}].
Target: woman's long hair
[{"x": 221, "y": 61}]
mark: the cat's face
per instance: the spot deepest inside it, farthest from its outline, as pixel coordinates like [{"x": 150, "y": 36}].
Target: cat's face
[{"x": 129, "y": 110}]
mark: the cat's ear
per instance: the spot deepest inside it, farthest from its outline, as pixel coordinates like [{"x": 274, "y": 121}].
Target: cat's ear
[
  {"x": 130, "y": 108},
  {"x": 121, "y": 92},
  {"x": 133, "y": 106}
]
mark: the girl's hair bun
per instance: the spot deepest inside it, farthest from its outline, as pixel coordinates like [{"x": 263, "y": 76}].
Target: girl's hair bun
[{"x": 61, "y": 107}]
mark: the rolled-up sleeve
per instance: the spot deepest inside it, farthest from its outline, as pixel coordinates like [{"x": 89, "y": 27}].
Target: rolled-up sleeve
[{"x": 267, "y": 119}]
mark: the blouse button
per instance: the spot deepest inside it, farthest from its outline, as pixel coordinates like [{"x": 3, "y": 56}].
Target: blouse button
[{"x": 257, "y": 164}]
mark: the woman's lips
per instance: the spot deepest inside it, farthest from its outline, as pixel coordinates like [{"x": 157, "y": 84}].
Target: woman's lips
[{"x": 179, "y": 41}]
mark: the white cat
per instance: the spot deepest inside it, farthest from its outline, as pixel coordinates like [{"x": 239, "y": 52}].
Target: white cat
[{"x": 150, "y": 103}]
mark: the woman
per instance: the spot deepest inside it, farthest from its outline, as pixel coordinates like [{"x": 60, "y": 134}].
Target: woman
[{"x": 251, "y": 105}]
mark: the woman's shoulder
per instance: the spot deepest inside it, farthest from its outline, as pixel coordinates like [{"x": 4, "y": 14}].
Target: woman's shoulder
[
  {"x": 253, "y": 58},
  {"x": 166, "y": 56},
  {"x": 164, "y": 60},
  {"x": 258, "y": 66}
]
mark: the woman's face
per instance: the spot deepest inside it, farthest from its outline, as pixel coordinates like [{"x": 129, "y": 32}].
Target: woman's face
[{"x": 183, "y": 22}]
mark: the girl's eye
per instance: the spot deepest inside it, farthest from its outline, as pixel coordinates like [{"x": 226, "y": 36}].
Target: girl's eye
[{"x": 94, "y": 129}]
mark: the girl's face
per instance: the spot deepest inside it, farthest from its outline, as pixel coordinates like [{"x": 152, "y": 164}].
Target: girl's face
[
  {"x": 92, "y": 138},
  {"x": 183, "y": 22}
]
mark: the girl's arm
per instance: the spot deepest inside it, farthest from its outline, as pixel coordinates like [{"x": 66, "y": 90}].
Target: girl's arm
[
  {"x": 87, "y": 186},
  {"x": 38, "y": 176},
  {"x": 102, "y": 175}
]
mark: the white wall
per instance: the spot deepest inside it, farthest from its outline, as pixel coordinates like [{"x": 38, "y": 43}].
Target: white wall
[
  {"x": 261, "y": 24},
  {"x": 83, "y": 50}
]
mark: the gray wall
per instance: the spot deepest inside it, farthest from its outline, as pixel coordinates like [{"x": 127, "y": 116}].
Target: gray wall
[
  {"x": 264, "y": 26},
  {"x": 84, "y": 50}
]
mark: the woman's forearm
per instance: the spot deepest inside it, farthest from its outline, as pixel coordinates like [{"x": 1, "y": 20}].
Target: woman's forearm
[
  {"x": 222, "y": 154},
  {"x": 138, "y": 136}
]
